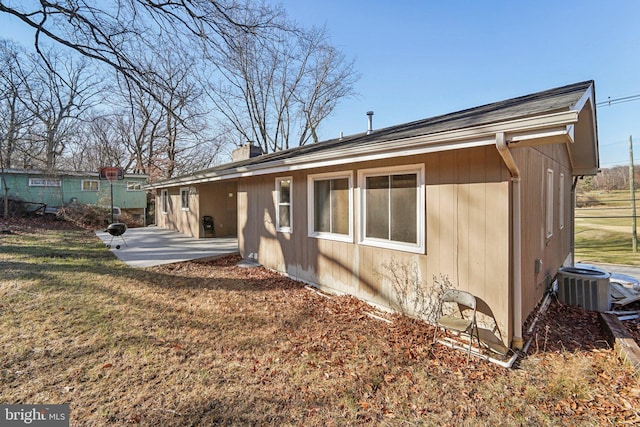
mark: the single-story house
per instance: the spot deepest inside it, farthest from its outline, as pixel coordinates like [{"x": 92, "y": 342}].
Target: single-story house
[
  {"x": 482, "y": 199},
  {"x": 63, "y": 188}
]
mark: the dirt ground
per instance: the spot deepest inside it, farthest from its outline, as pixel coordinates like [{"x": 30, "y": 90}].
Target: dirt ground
[
  {"x": 578, "y": 335},
  {"x": 210, "y": 343}
]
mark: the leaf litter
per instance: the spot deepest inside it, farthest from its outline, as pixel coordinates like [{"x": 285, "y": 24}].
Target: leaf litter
[{"x": 214, "y": 344}]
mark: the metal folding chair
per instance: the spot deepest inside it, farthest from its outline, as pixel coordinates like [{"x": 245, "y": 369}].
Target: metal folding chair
[{"x": 458, "y": 321}]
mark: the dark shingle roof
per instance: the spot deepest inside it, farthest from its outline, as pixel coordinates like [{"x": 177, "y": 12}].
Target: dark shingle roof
[{"x": 545, "y": 102}]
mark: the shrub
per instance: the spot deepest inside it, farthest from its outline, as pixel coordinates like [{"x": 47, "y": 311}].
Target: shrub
[{"x": 89, "y": 216}]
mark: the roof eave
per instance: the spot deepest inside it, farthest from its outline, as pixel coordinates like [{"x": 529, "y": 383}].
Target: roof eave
[
  {"x": 534, "y": 129},
  {"x": 584, "y": 153}
]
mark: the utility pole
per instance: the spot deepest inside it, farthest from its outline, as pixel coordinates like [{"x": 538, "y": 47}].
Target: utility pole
[{"x": 633, "y": 196}]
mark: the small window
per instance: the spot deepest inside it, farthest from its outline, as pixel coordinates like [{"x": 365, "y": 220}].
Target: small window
[
  {"x": 283, "y": 204},
  {"x": 392, "y": 203},
  {"x": 549, "y": 205},
  {"x": 184, "y": 199},
  {"x": 134, "y": 186},
  {"x": 90, "y": 185},
  {"x": 165, "y": 201},
  {"x": 330, "y": 201},
  {"x": 44, "y": 182}
]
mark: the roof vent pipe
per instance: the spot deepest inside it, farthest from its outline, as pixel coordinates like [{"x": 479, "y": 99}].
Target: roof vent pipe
[{"x": 370, "y": 127}]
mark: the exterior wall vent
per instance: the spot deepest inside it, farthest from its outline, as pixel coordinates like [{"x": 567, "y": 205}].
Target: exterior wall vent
[{"x": 587, "y": 288}]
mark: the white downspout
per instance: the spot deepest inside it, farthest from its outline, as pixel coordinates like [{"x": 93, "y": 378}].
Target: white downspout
[{"x": 503, "y": 149}]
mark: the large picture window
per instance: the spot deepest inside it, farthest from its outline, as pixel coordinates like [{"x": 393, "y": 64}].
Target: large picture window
[
  {"x": 284, "y": 204},
  {"x": 330, "y": 201},
  {"x": 392, "y": 203}
]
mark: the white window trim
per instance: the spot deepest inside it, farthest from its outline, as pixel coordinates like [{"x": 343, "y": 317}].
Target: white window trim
[
  {"x": 549, "y": 205},
  {"x": 311, "y": 206},
  {"x": 280, "y": 229},
  {"x": 418, "y": 247},
  {"x": 164, "y": 201},
  {"x": 45, "y": 182},
  {"x": 89, "y": 180},
  {"x": 182, "y": 191},
  {"x": 136, "y": 184}
]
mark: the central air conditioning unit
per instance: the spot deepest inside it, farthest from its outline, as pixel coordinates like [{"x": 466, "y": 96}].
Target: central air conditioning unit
[{"x": 584, "y": 287}]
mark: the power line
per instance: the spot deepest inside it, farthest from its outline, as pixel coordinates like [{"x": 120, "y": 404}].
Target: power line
[{"x": 620, "y": 100}]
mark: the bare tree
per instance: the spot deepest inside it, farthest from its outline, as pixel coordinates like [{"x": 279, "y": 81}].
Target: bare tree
[
  {"x": 95, "y": 145},
  {"x": 112, "y": 32},
  {"x": 138, "y": 128},
  {"x": 184, "y": 110},
  {"x": 330, "y": 79},
  {"x": 15, "y": 119},
  {"x": 276, "y": 90},
  {"x": 58, "y": 101},
  {"x": 272, "y": 81}
]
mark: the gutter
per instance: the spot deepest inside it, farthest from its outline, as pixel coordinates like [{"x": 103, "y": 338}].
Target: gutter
[
  {"x": 503, "y": 150},
  {"x": 522, "y": 131}
]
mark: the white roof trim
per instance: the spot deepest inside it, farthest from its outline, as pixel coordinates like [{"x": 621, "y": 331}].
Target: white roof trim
[
  {"x": 529, "y": 128},
  {"x": 587, "y": 96}
]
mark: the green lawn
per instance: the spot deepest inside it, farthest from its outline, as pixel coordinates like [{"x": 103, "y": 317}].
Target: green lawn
[{"x": 602, "y": 237}]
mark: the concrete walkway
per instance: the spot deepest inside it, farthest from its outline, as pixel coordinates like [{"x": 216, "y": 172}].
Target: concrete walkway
[{"x": 149, "y": 246}]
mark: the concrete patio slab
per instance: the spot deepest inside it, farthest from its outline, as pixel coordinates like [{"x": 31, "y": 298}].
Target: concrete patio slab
[{"x": 149, "y": 246}]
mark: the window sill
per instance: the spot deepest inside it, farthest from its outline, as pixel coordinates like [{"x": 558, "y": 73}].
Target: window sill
[
  {"x": 335, "y": 237},
  {"x": 396, "y": 246}
]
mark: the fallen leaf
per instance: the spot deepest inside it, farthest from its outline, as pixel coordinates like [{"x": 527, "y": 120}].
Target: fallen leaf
[{"x": 107, "y": 365}]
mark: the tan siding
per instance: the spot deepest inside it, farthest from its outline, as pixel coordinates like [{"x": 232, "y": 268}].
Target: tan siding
[
  {"x": 184, "y": 221},
  {"x": 216, "y": 202},
  {"x": 467, "y": 233},
  {"x": 554, "y": 250},
  {"x": 468, "y": 226}
]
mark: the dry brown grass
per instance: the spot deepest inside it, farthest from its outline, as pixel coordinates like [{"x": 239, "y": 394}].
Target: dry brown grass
[{"x": 214, "y": 344}]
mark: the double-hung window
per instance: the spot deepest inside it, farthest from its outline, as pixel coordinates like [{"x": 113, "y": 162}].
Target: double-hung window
[
  {"x": 329, "y": 203},
  {"x": 164, "y": 201},
  {"x": 134, "y": 186},
  {"x": 393, "y": 208},
  {"x": 90, "y": 185},
  {"x": 184, "y": 198},
  {"x": 283, "y": 204},
  {"x": 549, "y": 205}
]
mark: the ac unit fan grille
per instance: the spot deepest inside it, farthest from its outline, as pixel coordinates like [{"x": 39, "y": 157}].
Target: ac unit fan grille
[{"x": 584, "y": 291}]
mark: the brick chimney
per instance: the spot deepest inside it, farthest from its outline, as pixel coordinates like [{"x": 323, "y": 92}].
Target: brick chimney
[{"x": 246, "y": 151}]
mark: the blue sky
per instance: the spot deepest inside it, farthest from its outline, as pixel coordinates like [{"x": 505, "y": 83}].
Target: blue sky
[{"x": 424, "y": 58}]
